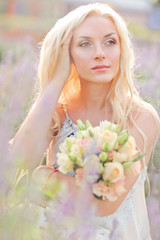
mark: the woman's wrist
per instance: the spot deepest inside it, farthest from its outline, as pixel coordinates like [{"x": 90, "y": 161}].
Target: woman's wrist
[{"x": 55, "y": 85}]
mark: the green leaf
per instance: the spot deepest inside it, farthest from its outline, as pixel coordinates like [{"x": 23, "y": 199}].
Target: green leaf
[
  {"x": 105, "y": 147},
  {"x": 123, "y": 131},
  {"x": 101, "y": 168},
  {"x": 90, "y": 133},
  {"x": 103, "y": 156},
  {"x": 127, "y": 164},
  {"x": 69, "y": 144},
  {"x": 116, "y": 146},
  {"x": 79, "y": 161},
  {"x": 80, "y": 124},
  {"x": 117, "y": 128},
  {"x": 105, "y": 161},
  {"x": 72, "y": 157},
  {"x": 122, "y": 138},
  {"x": 88, "y": 124},
  {"x": 139, "y": 157}
]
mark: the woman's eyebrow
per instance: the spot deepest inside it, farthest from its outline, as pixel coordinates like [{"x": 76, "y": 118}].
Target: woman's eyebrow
[
  {"x": 107, "y": 35},
  {"x": 84, "y": 37}
]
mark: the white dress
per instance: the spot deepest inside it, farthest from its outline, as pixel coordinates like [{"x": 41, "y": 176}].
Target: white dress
[{"x": 130, "y": 221}]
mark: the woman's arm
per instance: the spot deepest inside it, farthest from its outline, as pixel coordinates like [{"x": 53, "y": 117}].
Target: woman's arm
[
  {"x": 32, "y": 139},
  {"x": 43, "y": 174}
]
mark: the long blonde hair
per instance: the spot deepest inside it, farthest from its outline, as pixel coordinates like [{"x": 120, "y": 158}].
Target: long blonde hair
[{"x": 123, "y": 95}]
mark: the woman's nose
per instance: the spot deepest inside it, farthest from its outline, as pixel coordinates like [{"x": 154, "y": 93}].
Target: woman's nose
[{"x": 99, "y": 53}]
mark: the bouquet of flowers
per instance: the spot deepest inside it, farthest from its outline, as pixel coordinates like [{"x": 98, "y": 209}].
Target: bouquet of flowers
[{"x": 109, "y": 154}]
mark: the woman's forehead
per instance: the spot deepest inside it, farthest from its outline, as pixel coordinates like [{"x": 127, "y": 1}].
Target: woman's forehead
[{"x": 95, "y": 24}]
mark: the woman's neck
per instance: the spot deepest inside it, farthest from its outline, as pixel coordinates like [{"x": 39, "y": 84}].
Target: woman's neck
[
  {"x": 91, "y": 104},
  {"x": 93, "y": 96}
]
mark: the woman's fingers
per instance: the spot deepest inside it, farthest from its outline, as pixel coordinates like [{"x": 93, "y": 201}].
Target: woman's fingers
[
  {"x": 65, "y": 45},
  {"x": 62, "y": 69},
  {"x": 67, "y": 41}
]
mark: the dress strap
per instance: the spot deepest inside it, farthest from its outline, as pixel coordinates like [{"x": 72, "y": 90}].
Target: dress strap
[{"x": 64, "y": 108}]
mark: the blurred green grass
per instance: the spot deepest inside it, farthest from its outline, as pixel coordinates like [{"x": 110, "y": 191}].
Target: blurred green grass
[
  {"x": 26, "y": 23},
  {"x": 141, "y": 31}
]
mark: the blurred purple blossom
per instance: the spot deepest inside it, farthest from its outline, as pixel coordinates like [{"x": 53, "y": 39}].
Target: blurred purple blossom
[{"x": 17, "y": 75}]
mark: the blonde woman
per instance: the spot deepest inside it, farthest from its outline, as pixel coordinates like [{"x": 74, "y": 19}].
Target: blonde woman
[{"x": 86, "y": 72}]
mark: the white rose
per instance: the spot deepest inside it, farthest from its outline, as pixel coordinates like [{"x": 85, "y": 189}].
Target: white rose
[
  {"x": 96, "y": 131},
  {"x": 77, "y": 150},
  {"x": 104, "y": 125},
  {"x": 109, "y": 137},
  {"x": 65, "y": 164},
  {"x": 63, "y": 147},
  {"x": 113, "y": 171},
  {"x": 119, "y": 157},
  {"x": 129, "y": 147}
]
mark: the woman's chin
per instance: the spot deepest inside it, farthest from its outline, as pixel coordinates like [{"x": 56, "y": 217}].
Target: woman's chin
[{"x": 99, "y": 80}]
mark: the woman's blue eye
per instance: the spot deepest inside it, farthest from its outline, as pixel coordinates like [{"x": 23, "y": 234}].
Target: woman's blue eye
[{"x": 110, "y": 42}]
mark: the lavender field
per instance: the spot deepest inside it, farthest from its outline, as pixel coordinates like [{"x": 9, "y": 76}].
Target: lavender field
[
  {"x": 18, "y": 65},
  {"x": 148, "y": 84}
]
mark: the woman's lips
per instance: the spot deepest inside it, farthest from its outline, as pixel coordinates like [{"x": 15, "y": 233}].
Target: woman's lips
[{"x": 100, "y": 67}]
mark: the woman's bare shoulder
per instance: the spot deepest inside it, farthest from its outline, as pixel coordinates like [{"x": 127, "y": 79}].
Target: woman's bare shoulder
[
  {"x": 145, "y": 128},
  {"x": 147, "y": 118},
  {"x": 148, "y": 122}
]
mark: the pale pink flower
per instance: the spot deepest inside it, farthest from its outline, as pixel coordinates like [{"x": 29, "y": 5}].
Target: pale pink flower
[
  {"x": 100, "y": 189},
  {"x": 84, "y": 143},
  {"x": 111, "y": 153}
]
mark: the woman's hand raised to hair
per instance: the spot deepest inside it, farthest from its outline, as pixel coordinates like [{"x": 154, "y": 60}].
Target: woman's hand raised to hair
[{"x": 63, "y": 66}]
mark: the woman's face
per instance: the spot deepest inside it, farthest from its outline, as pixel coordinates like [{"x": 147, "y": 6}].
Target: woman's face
[{"x": 95, "y": 49}]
